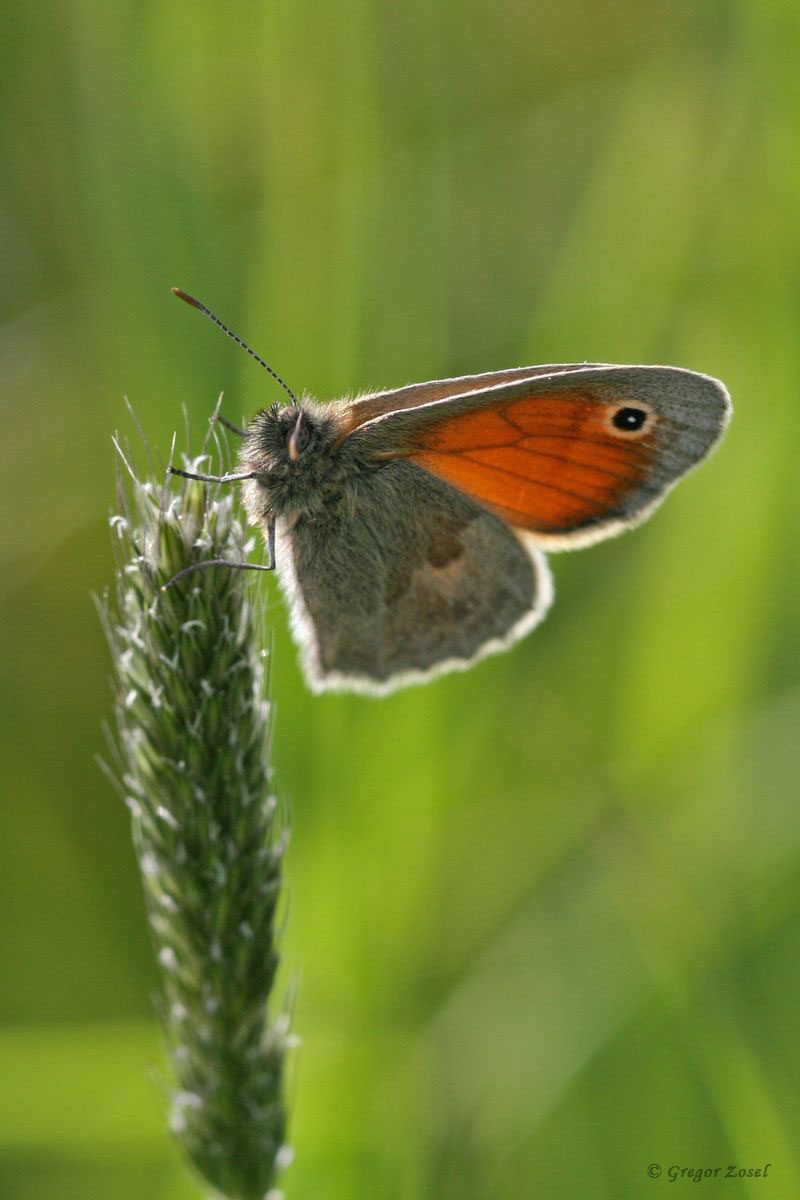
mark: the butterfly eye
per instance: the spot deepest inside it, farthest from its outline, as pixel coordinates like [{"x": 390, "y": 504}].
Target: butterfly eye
[
  {"x": 630, "y": 419},
  {"x": 298, "y": 438}
]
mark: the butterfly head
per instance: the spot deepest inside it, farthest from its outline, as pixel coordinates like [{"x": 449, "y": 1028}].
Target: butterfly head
[
  {"x": 290, "y": 448},
  {"x": 281, "y": 440}
]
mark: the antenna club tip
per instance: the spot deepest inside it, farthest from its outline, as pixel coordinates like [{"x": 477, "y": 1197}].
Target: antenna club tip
[{"x": 187, "y": 299}]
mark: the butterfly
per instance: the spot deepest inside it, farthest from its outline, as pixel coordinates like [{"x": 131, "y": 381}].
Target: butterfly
[{"x": 409, "y": 527}]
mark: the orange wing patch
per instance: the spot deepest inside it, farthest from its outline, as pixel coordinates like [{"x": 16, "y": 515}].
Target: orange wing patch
[{"x": 546, "y": 463}]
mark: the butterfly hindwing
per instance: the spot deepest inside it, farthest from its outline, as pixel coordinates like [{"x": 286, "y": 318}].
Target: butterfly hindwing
[{"x": 441, "y": 582}]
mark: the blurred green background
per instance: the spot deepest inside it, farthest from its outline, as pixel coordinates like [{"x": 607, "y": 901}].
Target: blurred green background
[{"x": 545, "y": 916}]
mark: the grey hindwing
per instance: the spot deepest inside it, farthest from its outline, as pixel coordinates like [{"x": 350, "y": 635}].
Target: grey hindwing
[{"x": 404, "y": 576}]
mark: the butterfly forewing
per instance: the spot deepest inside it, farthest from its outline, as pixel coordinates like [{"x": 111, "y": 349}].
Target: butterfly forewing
[
  {"x": 572, "y": 456},
  {"x": 379, "y": 404},
  {"x": 545, "y": 467}
]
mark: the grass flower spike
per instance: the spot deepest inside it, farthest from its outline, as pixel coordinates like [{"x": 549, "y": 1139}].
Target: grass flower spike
[{"x": 192, "y": 726}]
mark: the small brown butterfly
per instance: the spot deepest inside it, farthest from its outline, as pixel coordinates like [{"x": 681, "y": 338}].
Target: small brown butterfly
[{"x": 408, "y": 527}]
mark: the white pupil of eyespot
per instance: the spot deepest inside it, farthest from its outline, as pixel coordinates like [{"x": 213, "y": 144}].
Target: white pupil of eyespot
[{"x": 629, "y": 419}]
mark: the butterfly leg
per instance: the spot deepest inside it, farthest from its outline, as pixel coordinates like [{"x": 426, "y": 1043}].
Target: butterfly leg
[
  {"x": 271, "y": 544},
  {"x": 228, "y": 424},
  {"x": 217, "y": 562},
  {"x": 232, "y": 478},
  {"x": 232, "y": 566}
]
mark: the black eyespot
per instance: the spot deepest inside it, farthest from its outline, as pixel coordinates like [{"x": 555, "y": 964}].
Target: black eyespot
[{"x": 629, "y": 420}]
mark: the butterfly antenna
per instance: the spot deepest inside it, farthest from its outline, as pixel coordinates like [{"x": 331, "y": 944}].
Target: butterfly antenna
[{"x": 187, "y": 299}]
